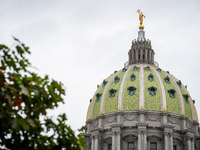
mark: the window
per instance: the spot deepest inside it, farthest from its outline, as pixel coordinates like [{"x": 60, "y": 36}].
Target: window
[
  {"x": 175, "y": 147},
  {"x": 131, "y": 90},
  {"x": 153, "y": 146},
  {"x": 171, "y": 93},
  {"x": 109, "y": 146},
  {"x": 152, "y": 90},
  {"x": 112, "y": 92},
  {"x": 131, "y": 146}
]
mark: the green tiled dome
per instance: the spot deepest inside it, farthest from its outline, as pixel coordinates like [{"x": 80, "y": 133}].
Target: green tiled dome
[{"x": 145, "y": 87}]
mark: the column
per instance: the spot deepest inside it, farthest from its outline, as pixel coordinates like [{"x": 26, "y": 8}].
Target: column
[
  {"x": 192, "y": 143},
  {"x": 145, "y": 57},
  {"x": 145, "y": 140},
  {"x": 96, "y": 142},
  {"x": 92, "y": 143},
  {"x": 188, "y": 143},
  {"x": 171, "y": 141},
  {"x": 141, "y": 56},
  {"x": 149, "y": 56},
  {"x": 136, "y": 55},
  {"x": 133, "y": 56},
  {"x": 139, "y": 140},
  {"x": 118, "y": 140},
  {"x": 166, "y": 141},
  {"x": 113, "y": 141}
]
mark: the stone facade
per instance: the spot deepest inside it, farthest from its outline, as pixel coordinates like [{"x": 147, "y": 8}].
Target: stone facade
[{"x": 141, "y": 130}]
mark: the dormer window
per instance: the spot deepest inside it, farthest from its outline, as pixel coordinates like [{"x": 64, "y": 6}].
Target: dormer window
[
  {"x": 124, "y": 69},
  {"x": 131, "y": 90},
  {"x": 186, "y": 97},
  {"x": 159, "y": 70},
  {"x": 133, "y": 77},
  {"x": 112, "y": 92},
  {"x": 167, "y": 79},
  {"x": 171, "y": 93},
  {"x": 98, "y": 95},
  {"x": 104, "y": 82},
  {"x": 152, "y": 90},
  {"x": 116, "y": 79},
  {"x": 179, "y": 83},
  {"x": 147, "y": 68},
  {"x": 135, "y": 68},
  {"x": 150, "y": 77}
]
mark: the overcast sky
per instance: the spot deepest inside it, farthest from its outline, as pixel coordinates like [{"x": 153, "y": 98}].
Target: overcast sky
[{"x": 81, "y": 42}]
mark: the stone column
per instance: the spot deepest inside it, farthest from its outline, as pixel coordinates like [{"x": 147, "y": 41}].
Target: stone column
[
  {"x": 166, "y": 141},
  {"x": 171, "y": 141},
  {"x": 118, "y": 140},
  {"x": 92, "y": 142},
  {"x": 145, "y": 56},
  {"x": 139, "y": 140},
  {"x": 133, "y": 56},
  {"x": 150, "y": 57},
  {"x": 130, "y": 55},
  {"x": 113, "y": 141},
  {"x": 192, "y": 143},
  {"x": 136, "y": 55},
  {"x": 145, "y": 140},
  {"x": 141, "y": 56},
  {"x": 96, "y": 142},
  {"x": 188, "y": 143}
]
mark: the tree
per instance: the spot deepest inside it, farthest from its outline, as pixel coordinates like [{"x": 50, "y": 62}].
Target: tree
[{"x": 24, "y": 98}]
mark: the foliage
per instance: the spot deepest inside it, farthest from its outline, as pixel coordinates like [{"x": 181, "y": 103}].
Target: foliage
[{"x": 25, "y": 97}]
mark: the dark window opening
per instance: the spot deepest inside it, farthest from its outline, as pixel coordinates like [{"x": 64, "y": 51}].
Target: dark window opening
[
  {"x": 109, "y": 146},
  {"x": 131, "y": 146},
  {"x": 153, "y": 146},
  {"x": 175, "y": 147}
]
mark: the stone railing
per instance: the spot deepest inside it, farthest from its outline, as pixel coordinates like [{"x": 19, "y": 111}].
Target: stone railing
[{"x": 126, "y": 64}]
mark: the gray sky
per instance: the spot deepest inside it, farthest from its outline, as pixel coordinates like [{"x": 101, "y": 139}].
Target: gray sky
[{"x": 81, "y": 42}]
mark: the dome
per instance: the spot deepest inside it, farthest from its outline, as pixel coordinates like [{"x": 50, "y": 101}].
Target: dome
[
  {"x": 142, "y": 87},
  {"x": 142, "y": 107}
]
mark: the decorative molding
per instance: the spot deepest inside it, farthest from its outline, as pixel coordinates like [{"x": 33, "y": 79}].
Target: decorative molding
[
  {"x": 174, "y": 121},
  {"x": 110, "y": 119},
  {"x": 130, "y": 117},
  {"x": 153, "y": 118},
  {"x": 95, "y": 123},
  {"x": 189, "y": 125}
]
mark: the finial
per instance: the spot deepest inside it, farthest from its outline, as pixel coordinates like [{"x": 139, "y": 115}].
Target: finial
[{"x": 141, "y": 15}]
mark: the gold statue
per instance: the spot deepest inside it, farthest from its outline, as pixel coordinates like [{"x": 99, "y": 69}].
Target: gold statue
[{"x": 141, "y": 15}]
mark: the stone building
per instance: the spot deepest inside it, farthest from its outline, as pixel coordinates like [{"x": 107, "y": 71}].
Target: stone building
[{"x": 142, "y": 107}]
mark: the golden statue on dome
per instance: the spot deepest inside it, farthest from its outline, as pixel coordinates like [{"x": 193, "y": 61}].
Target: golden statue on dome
[{"x": 141, "y": 15}]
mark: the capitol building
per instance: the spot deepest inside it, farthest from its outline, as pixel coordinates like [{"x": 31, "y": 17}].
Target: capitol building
[{"x": 142, "y": 107}]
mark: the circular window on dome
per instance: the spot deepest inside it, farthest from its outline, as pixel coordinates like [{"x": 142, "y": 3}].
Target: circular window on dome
[
  {"x": 150, "y": 77},
  {"x": 131, "y": 90},
  {"x": 167, "y": 79},
  {"x": 104, "y": 82},
  {"x": 112, "y": 92},
  {"x": 171, "y": 93},
  {"x": 98, "y": 96},
  {"x": 152, "y": 90},
  {"x": 179, "y": 83},
  {"x": 133, "y": 77},
  {"x": 116, "y": 79},
  {"x": 186, "y": 97},
  {"x": 147, "y": 68}
]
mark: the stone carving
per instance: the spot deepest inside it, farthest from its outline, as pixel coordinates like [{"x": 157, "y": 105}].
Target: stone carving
[
  {"x": 130, "y": 117},
  {"x": 111, "y": 119},
  {"x": 174, "y": 121},
  {"x": 189, "y": 125},
  {"x": 95, "y": 123},
  {"x": 153, "y": 118}
]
